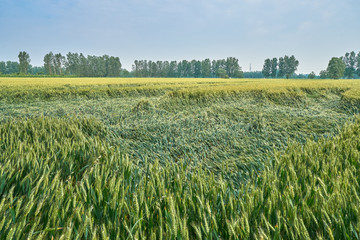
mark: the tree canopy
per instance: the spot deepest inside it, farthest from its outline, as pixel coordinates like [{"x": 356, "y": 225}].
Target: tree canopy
[
  {"x": 336, "y": 68},
  {"x": 79, "y": 65},
  {"x": 24, "y": 62},
  {"x": 266, "y": 71},
  {"x": 350, "y": 64},
  {"x": 285, "y": 66}
]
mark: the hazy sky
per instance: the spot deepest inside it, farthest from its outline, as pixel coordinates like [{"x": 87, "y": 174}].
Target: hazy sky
[{"x": 251, "y": 30}]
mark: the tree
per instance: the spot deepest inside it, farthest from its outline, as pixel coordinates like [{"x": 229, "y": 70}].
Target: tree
[
  {"x": 216, "y": 66},
  {"x": 239, "y": 73},
  {"x": 24, "y": 62},
  {"x": 206, "y": 68},
  {"x": 92, "y": 68},
  {"x": 72, "y": 63},
  {"x": 274, "y": 67},
  {"x": 266, "y": 71},
  {"x": 222, "y": 73},
  {"x": 312, "y": 75},
  {"x": 323, "y": 74},
  {"x": 184, "y": 68},
  {"x": 196, "y": 68},
  {"x": 2, "y": 67},
  {"x": 49, "y": 63},
  {"x": 172, "y": 69},
  {"x": 143, "y": 68},
  {"x": 281, "y": 67},
  {"x": 12, "y": 67},
  {"x": 136, "y": 68},
  {"x": 101, "y": 66},
  {"x": 83, "y": 66},
  {"x": 300, "y": 76},
  {"x": 232, "y": 67},
  {"x": 125, "y": 73},
  {"x": 160, "y": 67},
  {"x": 165, "y": 69},
  {"x": 153, "y": 69},
  {"x": 336, "y": 68},
  {"x": 287, "y": 66},
  {"x": 350, "y": 63},
  {"x": 58, "y": 63},
  {"x": 114, "y": 67},
  {"x": 37, "y": 70}
]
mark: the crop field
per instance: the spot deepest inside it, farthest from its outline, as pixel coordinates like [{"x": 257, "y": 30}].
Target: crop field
[
  {"x": 112, "y": 158},
  {"x": 96, "y": 87}
]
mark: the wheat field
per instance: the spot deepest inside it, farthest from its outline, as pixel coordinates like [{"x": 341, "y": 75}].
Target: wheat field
[
  {"x": 350, "y": 87},
  {"x": 94, "y": 158}
]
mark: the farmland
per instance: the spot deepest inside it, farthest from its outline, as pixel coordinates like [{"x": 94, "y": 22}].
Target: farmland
[{"x": 95, "y": 158}]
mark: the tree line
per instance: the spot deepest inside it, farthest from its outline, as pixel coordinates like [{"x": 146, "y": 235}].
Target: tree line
[
  {"x": 9, "y": 67},
  {"x": 347, "y": 66},
  {"x": 77, "y": 64},
  {"x": 72, "y": 64},
  {"x": 223, "y": 68}
]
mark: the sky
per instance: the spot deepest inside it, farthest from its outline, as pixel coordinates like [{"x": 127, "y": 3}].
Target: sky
[{"x": 250, "y": 30}]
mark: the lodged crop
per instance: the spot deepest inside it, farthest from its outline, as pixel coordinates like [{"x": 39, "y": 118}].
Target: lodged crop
[
  {"x": 13, "y": 89},
  {"x": 193, "y": 159},
  {"x": 60, "y": 178}
]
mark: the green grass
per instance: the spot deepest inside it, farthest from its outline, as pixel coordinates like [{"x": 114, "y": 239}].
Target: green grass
[{"x": 195, "y": 165}]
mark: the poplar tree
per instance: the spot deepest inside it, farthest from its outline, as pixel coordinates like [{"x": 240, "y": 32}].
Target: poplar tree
[
  {"x": 232, "y": 67},
  {"x": 274, "y": 67},
  {"x": 24, "y": 62},
  {"x": 58, "y": 63},
  {"x": 350, "y": 62},
  {"x": 206, "y": 68},
  {"x": 266, "y": 71},
  {"x": 287, "y": 66},
  {"x": 49, "y": 63}
]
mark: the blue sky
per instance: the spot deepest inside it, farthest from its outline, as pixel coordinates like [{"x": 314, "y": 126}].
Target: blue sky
[{"x": 251, "y": 30}]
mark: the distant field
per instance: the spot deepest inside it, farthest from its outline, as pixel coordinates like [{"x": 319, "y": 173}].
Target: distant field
[
  {"x": 187, "y": 83},
  {"x": 350, "y": 89},
  {"x": 131, "y": 158}
]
